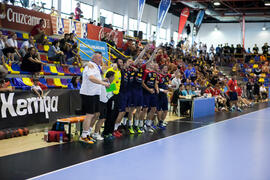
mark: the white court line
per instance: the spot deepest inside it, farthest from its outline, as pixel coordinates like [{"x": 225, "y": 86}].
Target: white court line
[{"x": 162, "y": 139}]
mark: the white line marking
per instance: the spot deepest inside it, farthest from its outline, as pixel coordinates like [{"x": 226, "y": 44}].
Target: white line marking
[{"x": 162, "y": 139}]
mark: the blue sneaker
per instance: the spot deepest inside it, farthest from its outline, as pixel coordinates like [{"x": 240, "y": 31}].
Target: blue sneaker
[
  {"x": 161, "y": 126},
  {"x": 154, "y": 127}
]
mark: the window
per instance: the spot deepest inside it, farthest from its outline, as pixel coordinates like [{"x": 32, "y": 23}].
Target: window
[
  {"x": 168, "y": 36},
  {"x": 66, "y": 7},
  {"x": 132, "y": 24},
  {"x": 87, "y": 11},
  {"x": 175, "y": 37},
  {"x": 153, "y": 29},
  {"x": 162, "y": 33},
  {"x": 143, "y": 28},
  {"x": 118, "y": 21},
  {"x": 108, "y": 16}
]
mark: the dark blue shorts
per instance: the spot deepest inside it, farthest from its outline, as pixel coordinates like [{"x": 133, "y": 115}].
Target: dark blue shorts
[
  {"x": 162, "y": 102},
  {"x": 150, "y": 100},
  {"x": 137, "y": 97},
  {"x": 124, "y": 100},
  {"x": 233, "y": 96}
]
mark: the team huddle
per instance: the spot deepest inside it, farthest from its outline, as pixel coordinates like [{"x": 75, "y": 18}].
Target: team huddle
[{"x": 140, "y": 92}]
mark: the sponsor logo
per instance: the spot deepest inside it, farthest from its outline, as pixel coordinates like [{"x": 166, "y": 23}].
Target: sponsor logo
[
  {"x": 31, "y": 105},
  {"x": 17, "y": 17}
]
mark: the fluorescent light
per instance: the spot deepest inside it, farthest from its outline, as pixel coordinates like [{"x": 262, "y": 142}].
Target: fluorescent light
[
  {"x": 264, "y": 28},
  {"x": 267, "y": 3},
  {"x": 216, "y": 28},
  {"x": 216, "y": 3}
]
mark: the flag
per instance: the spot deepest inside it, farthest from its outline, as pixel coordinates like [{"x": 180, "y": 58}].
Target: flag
[
  {"x": 163, "y": 9},
  {"x": 141, "y": 4},
  {"x": 182, "y": 21},
  {"x": 197, "y": 24}
]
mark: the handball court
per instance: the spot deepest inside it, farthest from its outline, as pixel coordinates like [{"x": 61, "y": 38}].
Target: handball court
[{"x": 224, "y": 146}]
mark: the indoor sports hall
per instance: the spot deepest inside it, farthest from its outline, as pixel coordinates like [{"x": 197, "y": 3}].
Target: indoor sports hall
[{"x": 135, "y": 89}]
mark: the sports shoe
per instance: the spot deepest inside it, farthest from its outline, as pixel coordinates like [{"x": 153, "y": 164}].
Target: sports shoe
[
  {"x": 138, "y": 130},
  {"x": 109, "y": 137},
  {"x": 239, "y": 109},
  {"x": 145, "y": 127},
  {"x": 131, "y": 130},
  {"x": 142, "y": 129},
  {"x": 151, "y": 129},
  {"x": 97, "y": 137},
  {"x": 232, "y": 109},
  {"x": 91, "y": 139},
  {"x": 161, "y": 126},
  {"x": 117, "y": 134},
  {"x": 154, "y": 127},
  {"x": 85, "y": 140}
]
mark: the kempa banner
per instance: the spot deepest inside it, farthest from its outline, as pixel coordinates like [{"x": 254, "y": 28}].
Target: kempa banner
[
  {"x": 27, "y": 106},
  {"x": 24, "y": 108}
]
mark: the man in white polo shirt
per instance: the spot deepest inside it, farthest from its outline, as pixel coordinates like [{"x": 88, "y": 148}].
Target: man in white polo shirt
[{"x": 90, "y": 94}]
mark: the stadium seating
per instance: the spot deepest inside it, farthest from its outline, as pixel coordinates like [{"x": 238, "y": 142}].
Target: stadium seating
[{"x": 58, "y": 83}]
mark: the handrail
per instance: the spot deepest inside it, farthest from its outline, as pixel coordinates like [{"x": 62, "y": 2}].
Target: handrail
[
  {"x": 117, "y": 50},
  {"x": 89, "y": 48}
]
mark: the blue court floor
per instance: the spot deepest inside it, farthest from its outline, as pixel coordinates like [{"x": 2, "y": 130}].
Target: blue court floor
[{"x": 235, "y": 149}]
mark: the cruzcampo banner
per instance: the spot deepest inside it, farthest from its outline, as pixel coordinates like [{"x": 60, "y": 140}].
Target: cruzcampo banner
[
  {"x": 182, "y": 21},
  {"x": 141, "y": 4},
  {"x": 95, "y": 45}
]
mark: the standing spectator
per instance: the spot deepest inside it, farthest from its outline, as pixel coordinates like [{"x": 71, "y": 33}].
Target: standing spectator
[
  {"x": 53, "y": 12},
  {"x": 255, "y": 49},
  {"x": 35, "y": 7},
  {"x": 90, "y": 94},
  {"x": 232, "y": 87},
  {"x": 55, "y": 54},
  {"x": 265, "y": 48},
  {"x": 249, "y": 87},
  {"x": 2, "y": 46},
  {"x": 26, "y": 45},
  {"x": 263, "y": 92},
  {"x": 11, "y": 50},
  {"x": 39, "y": 32},
  {"x": 176, "y": 81},
  {"x": 78, "y": 12},
  {"x": 31, "y": 63}
]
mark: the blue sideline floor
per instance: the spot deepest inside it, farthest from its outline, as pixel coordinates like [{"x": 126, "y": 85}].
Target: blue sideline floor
[{"x": 236, "y": 149}]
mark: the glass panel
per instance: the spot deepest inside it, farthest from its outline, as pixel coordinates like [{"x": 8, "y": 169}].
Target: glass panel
[
  {"x": 87, "y": 11},
  {"x": 108, "y": 16},
  {"x": 132, "y": 24},
  {"x": 118, "y": 20}
]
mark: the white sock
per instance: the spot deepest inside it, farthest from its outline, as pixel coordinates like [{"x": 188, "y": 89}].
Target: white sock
[
  {"x": 90, "y": 130},
  {"x": 149, "y": 123},
  {"x": 136, "y": 122},
  {"x": 141, "y": 123},
  {"x": 116, "y": 126},
  {"x": 130, "y": 122},
  {"x": 124, "y": 121},
  {"x": 84, "y": 134}
]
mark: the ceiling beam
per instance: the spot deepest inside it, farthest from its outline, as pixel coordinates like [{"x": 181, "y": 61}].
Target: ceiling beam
[{"x": 243, "y": 8}]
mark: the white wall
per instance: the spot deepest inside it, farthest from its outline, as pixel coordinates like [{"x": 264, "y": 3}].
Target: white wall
[{"x": 231, "y": 33}]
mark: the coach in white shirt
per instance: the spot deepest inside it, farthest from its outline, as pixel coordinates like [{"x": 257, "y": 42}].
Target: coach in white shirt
[{"x": 90, "y": 94}]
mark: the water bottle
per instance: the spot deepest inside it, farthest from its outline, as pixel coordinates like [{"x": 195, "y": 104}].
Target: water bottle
[
  {"x": 46, "y": 137},
  {"x": 61, "y": 138}
]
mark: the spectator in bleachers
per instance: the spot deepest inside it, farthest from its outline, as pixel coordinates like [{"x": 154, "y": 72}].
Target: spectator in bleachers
[
  {"x": 35, "y": 7},
  {"x": 76, "y": 80},
  {"x": 36, "y": 88},
  {"x": 2, "y": 46},
  {"x": 65, "y": 46},
  {"x": 38, "y": 32},
  {"x": 11, "y": 49},
  {"x": 26, "y": 45},
  {"x": 31, "y": 63},
  {"x": 55, "y": 54},
  {"x": 78, "y": 12},
  {"x": 72, "y": 39},
  {"x": 54, "y": 12},
  {"x": 5, "y": 86},
  {"x": 73, "y": 56}
]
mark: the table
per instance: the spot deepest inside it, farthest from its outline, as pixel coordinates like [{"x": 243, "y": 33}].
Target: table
[{"x": 200, "y": 106}]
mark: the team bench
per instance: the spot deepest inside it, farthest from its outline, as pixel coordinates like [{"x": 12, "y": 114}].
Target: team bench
[{"x": 71, "y": 120}]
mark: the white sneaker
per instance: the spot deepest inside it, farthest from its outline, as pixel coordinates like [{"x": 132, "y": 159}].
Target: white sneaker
[
  {"x": 97, "y": 137},
  {"x": 145, "y": 128}
]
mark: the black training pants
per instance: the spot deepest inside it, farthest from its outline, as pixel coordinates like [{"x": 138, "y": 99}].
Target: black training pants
[{"x": 112, "y": 113}]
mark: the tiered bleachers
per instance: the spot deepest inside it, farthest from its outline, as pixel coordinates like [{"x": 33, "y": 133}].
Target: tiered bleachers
[
  {"x": 247, "y": 70},
  {"x": 55, "y": 75}
]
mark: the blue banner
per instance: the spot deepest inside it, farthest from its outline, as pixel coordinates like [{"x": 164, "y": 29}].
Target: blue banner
[
  {"x": 141, "y": 4},
  {"x": 95, "y": 45},
  {"x": 199, "y": 18},
  {"x": 60, "y": 25},
  {"x": 163, "y": 8}
]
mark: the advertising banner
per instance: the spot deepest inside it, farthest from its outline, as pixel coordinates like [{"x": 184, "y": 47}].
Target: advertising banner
[
  {"x": 21, "y": 19},
  {"x": 95, "y": 45},
  {"x": 197, "y": 24},
  {"x": 163, "y": 9},
  {"x": 18, "y": 109},
  {"x": 61, "y": 26},
  {"x": 141, "y": 4},
  {"x": 97, "y": 33},
  {"x": 182, "y": 21}
]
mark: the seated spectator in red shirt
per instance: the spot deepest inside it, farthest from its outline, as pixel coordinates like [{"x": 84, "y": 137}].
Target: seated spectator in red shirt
[
  {"x": 209, "y": 90},
  {"x": 39, "y": 32}
]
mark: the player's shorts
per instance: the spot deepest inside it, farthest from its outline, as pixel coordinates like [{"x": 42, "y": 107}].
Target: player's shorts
[
  {"x": 137, "y": 97},
  {"x": 233, "y": 96},
  {"x": 162, "y": 102},
  {"x": 150, "y": 100},
  {"x": 90, "y": 104},
  {"x": 124, "y": 100},
  {"x": 103, "y": 110}
]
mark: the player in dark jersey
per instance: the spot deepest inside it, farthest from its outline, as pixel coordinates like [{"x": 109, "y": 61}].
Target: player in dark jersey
[
  {"x": 164, "y": 79},
  {"x": 150, "y": 91},
  {"x": 124, "y": 95}
]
